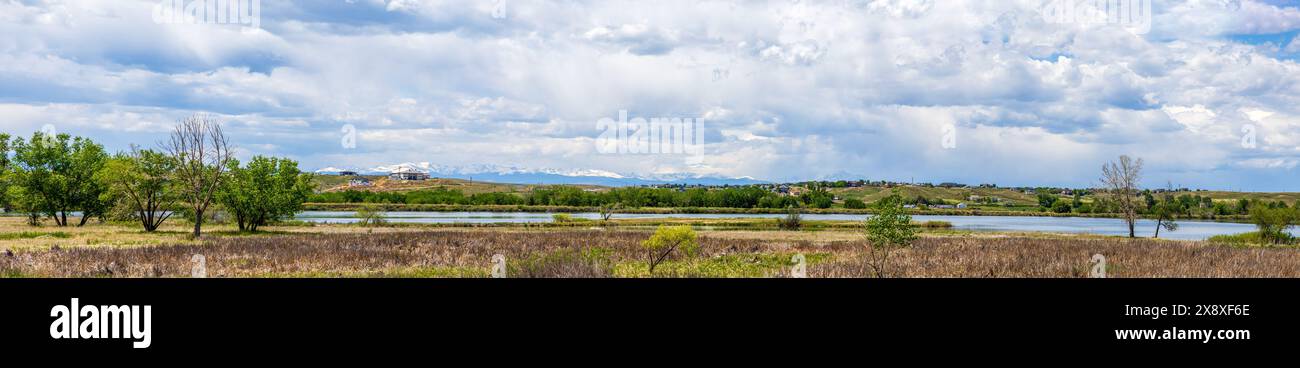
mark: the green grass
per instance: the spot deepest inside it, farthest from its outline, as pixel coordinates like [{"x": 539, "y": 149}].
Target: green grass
[
  {"x": 15, "y": 274},
  {"x": 33, "y": 235},
  {"x": 1253, "y": 238},
  {"x": 409, "y": 272},
  {"x": 727, "y": 266}
]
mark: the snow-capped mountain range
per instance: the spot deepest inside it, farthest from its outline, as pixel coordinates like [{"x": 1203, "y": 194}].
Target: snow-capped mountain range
[{"x": 518, "y": 175}]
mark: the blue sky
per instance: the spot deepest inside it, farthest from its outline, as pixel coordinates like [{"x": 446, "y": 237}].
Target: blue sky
[{"x": 787, "y": 89}]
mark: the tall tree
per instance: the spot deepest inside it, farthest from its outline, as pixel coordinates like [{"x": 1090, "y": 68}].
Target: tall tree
[
  {"x": 267, "y": 189},
  {"x": 4, "y": 173},
  {"x": 56, "y": 177},
  {"x": 88, "y": 195},
  {"x": 200, "y": 150},
  {"x": 1120, "y": 180},
  {"x": 143, "y": 180}
]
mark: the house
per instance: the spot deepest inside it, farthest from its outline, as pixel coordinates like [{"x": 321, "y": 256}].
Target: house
[
  {"x": 359, "y": 182},
  {"x": 408, "y": 174}
]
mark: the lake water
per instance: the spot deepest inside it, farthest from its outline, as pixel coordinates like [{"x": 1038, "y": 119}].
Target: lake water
[{"x": 1187, "y": 230}]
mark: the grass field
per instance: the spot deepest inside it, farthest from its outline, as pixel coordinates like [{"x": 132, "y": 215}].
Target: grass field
[
  {"x": 334, "y": 183},
  {"x": 728, "y": 249},
  {"x": 954, "y": 195}
]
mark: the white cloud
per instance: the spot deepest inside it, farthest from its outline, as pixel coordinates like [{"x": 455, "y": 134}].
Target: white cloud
[{"x": 789, "y": 90}]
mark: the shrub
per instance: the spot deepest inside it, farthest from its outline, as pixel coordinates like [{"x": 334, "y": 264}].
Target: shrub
[
  {"x": 1061, "y": 207},
  {"x": 888, "y": 230},
  {"x": 371, "y": 216},
  {"x": 561, "y": 218},
  {"x": 854, "y": 204},
  {"x": 607, "y": 211},
  {"x": 1273, "y": 222},
  {"x": 792, "y": 221},
  {"x": 668, "y": 239}
]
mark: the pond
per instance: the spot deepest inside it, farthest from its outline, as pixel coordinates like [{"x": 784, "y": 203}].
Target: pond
[{"x": 1187, "y": 230}]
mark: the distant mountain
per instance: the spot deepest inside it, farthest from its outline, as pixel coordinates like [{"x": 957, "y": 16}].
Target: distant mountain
[{"x": 517, "y": 175}]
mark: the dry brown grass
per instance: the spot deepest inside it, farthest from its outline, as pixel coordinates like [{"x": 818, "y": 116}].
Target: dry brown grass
[
  {"x": 604, "y": 253},
  {"x": 455, "y": 251},
  {"x": 1047, "y": 257}
]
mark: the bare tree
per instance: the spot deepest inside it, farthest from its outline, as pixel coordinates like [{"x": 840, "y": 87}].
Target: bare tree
[
  {"x": 200, "y": 150},
  {"x": 1120, "y": 181}
]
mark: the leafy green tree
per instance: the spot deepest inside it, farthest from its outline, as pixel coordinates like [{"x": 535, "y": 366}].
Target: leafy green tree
[
  {"x": 888, "y": 230},
  {"x": 1273, "y": 223},
  {"x": 817, "y": 196},
  {"x": 1045, "y": 199},
  {"x": 57, "y": 177},
  {"x": 4, "y": 173},
  {"x": 266, "y": 190},
  {"x": 668, "y": 239},
  {"x": 143, "y": 181}
]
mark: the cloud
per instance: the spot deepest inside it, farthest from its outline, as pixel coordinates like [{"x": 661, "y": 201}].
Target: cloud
[{"x": 787, "y": 89}]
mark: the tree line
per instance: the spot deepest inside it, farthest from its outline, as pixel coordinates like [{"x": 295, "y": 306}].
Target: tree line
[
  {"x": 731, "y": 197},
  {"x": 57, "y": 177}
]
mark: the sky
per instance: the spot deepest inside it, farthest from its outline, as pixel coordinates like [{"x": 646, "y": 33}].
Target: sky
[{"x": 1204, "y": 91}]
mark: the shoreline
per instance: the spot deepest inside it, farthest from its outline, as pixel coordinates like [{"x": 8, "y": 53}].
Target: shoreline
[{"x": 397, "y": 207}]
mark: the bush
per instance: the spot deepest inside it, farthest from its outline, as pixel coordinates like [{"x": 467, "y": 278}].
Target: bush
[
  {"x": 888, "y": 230},
  {"x": 791, "y": 221},
  {"x": 668, "y": 239},
  {"x": 1061, "y": 207},
  {"x": 371, "y": 216},
  {"x": 1273, "y": 223},
  {"x": 561, "y": 218},
  {"x": 854, "y": 204}
]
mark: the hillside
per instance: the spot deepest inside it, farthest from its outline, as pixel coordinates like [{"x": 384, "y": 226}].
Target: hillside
[
  {"x": 334, "y": 183},
  {"x": 871, "y": 194},
  {"x": 1290, "y": 198}
]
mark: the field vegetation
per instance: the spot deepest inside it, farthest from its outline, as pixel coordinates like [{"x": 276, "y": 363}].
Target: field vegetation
[{"x": 620, "y": 253}]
